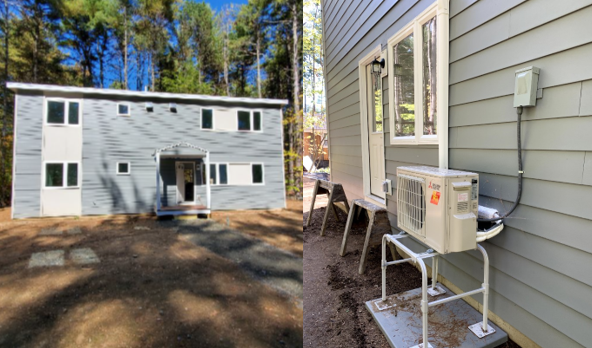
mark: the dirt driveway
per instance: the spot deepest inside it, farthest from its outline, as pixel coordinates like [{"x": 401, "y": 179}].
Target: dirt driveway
[{"x": 137, "y": 282}]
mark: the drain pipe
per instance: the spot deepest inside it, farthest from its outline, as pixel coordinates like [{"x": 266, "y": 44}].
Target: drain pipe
[{"x": 442, "y": 84}]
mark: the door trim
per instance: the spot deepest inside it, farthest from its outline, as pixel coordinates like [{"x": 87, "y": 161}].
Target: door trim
[
  {"x": 375, "y": 53},
  {"x": 177, "y": 185}
]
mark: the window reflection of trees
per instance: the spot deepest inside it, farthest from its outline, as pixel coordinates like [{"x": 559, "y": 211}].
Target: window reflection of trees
[
  {"x": 377, "y": 109},
  {"x": 404, "y": 87},
  {"x": 429, "y": 77}
]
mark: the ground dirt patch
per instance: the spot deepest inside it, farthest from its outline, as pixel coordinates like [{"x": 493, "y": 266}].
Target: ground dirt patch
[
  {"x": 151, "y": 288},
  {"x": 334, "y": 292}
]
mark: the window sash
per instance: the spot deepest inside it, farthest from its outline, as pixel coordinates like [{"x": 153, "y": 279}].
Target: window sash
[
  {"x": 119, "y": 109},
  {"x": 68, "y": 112},
  {"x": 257, "y": 174},
  {"x": 207, "y": 118},
  {"x": 128, "y": 167},
  {"x": 416, "y": 28},
  {"x": 63, "y": 175}
]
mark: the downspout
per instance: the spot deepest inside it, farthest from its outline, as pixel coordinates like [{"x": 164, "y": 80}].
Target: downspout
[{"x": 442, "y": 31}]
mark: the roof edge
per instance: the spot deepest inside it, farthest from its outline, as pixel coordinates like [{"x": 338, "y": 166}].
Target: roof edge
[{"x": 15, "y": 86}]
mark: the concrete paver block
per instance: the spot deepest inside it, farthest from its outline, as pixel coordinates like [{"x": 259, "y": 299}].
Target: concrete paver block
[
  {"x": 47, "y": 258},
  {"x": 84, "y": 256}
]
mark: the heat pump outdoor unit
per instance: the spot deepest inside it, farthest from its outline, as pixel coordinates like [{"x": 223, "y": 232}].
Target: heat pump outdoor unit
[{"x": 439, "y": 207}]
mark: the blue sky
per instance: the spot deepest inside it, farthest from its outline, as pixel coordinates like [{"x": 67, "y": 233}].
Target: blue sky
[{"x": 217, "y": 4}]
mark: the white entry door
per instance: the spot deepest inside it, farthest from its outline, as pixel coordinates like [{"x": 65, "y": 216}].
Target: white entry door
[
  {"x": 375, "y": 132},
  {"x": 179, "y": 171}
]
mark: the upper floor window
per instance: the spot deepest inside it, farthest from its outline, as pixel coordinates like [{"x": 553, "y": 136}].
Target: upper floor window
[
  {"x": 123, "y": 168},
  {"x": 413, "y": 94},
  {"x": 63, "y": 112},
  {"x": 249, "y": 120},
  {"x": 123, "y": 109},
  {"x": 207, "y": 119}
]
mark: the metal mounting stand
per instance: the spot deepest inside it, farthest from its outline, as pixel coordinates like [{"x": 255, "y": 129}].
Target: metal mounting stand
[{"x": 479, "y": 330}]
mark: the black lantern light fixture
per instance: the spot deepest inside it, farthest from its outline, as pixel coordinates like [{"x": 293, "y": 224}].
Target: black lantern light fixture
[{"x": 377, "y": 65}]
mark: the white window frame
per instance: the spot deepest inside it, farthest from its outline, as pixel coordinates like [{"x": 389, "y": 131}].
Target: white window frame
[
  {"x": 262, "y": 174},
  {"x": 129, "y": 109},
  {"x": 66, "y": 102},
  {"x": 213, "y": 119},
  {"x": 252, "y": 118},
  {"x": 217, "y": 181},
  {"x": 64, "y": 175},
  {"x": 439, "y": 10},
  {"x": 129, "y": 168}
]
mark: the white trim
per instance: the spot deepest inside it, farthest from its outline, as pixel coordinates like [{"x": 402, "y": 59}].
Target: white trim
[
  {"x": 182, "y": 212},
  {"x": 375, "y": 53},
  {"x": 129, "y": 168},
  {"x": 208, "y": 186},
  {"x": 129, "y": 109},
  {"x": 64, "y": 175},
  {"x": 326, "y": 91},
  {"x": 15, "y": 86},
  {"x": 14, "y": 132},
  {"x": 66, "y": 102},
  {"x": 201, "y": 109},
  {"x": 439, "y": 10},
  {"x": 158, "y": 179},
  {"x": 262, "y": 183}
]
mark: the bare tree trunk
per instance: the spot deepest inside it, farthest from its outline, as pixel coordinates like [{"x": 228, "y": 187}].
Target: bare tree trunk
[
  {"x": 125, "y": 83},
  {"x": 258, "y": 64},
  {"x": 226, "y": 59},
  {"x": 3, "y": 150},
  {"x": 296, "y": 81}
]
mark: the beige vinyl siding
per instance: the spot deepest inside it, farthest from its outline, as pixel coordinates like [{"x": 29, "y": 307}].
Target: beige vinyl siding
[{"x": 535, "y": 283}]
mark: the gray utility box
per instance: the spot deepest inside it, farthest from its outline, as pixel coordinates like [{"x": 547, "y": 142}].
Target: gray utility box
[{"x": 525, "y": 89}]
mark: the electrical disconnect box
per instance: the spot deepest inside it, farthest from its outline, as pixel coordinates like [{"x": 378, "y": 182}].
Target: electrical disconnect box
[{"x": 525, "y": 88}]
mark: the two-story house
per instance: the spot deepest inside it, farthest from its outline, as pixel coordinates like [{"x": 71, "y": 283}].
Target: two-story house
[{"x": 88, "y": 151}]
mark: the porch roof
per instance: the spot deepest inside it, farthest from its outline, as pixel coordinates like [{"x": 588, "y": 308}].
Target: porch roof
[{"x": 182, "y": 148}]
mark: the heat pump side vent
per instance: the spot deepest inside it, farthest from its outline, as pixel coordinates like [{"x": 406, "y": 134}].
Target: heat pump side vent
[{"x": 411, "y": 203}]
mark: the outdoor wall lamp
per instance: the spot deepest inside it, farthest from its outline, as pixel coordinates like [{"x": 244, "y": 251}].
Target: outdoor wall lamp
[{"x": 377, "y": 65}]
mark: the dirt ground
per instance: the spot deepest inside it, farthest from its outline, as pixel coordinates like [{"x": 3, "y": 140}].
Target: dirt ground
[
  {"x": 276, "y": 227},
  {"x": 150, "y": 288},
  {"x": 334, "y": 292}
]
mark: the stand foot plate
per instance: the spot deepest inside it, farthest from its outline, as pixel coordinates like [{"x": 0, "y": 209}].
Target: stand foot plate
[
  {"x": 436, "y": 291},
  {"x": 477, "y": 329},
  {"x": 448, "y": 322}
]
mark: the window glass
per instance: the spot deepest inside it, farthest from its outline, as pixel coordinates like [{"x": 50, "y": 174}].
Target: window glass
[
  {"x": 72, "y": 174},
  {"x": 376, "y": 106},
  {"x": 55, "y": 112},
  {"x": 223, "y": 174},
  {"x": 54, "y": 175},
  {"x": 123, "y": 109},
  {"x": 213, "y": 180},
  {"x": 257, "y": 120},
  {"x": 257, "y": 173},
  {"x": 404, "y": 87},
  {"x": 429, "y": 77},
  {"x": 244, "y": 120},
  {"x": 207, "y": 121},
  {"x": 73, "y": 112},
  {"x": 123, "y": 168}
]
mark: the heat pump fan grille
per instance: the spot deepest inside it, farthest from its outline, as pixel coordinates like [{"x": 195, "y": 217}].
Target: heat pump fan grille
[{"x": 411, "y": 203}]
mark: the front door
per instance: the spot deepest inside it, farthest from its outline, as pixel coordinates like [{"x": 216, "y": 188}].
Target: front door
[
  {"x": 185, "y": 174},
  {"x": 375, "y": 132}
]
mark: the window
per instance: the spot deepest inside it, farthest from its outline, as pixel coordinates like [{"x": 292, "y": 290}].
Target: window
[
  {"x": 123, "y": 168},
  {"x": 63, "y": 112},
  {"x": 244, "y": 120},
  {"x": 123, "y": 110},
  {"x": 413, "y": 92},
  {"x": 218, "y": 174},
  {"x": 61, "y": 174},
  {"x": 223, "y": 177},
  {"x": 207, "y": 119},
  {"x": 257, "y": 120},
  {"x": 257, "y": 172},
  {"x": 249, "y": 121}
]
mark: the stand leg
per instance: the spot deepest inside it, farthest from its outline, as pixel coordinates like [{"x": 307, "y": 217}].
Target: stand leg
[
  {"x": 434, "y": 271},
  {"x": 327, "y": 213},
  {"x": 312, "y": 202},
  {"x": 350, "y": 218},
  {"x": 424, "y": 301},
  {"x": 485, "y": 285},
  {"x": 366, "y": 244},
  {"x": 383, "y": 264}
]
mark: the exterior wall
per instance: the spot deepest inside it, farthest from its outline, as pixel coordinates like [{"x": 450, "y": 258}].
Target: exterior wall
[
  {"x": 108, "y": 138},
  {"x": 27, "y": 158},
  {"x": 536, "y": 286}
]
